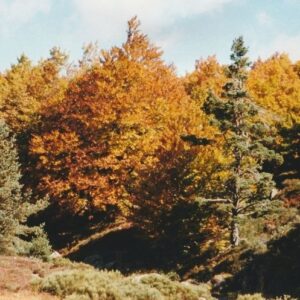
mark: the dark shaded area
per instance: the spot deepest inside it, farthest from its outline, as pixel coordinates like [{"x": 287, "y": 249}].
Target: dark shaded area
[
  {"x": 274, "y": 273},
  {"x": 289, "y": 149},
  {"x": 195, "y": 140},
  {"x": 174, "y": 246},
  {"x": 65, "y": 229},
  {"x": 126, "y": 250}
]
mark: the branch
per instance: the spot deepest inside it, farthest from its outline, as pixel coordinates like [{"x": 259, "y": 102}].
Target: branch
[
  {"x": 246, "y": 207},
  {"x": 217, "y": 200},
  {"x": 96, "y": 236}
]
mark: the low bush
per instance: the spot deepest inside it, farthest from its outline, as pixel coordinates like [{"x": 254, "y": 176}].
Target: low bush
[
  {"x": 251, "y": 297},
  {"x": 111, "y": 285}
]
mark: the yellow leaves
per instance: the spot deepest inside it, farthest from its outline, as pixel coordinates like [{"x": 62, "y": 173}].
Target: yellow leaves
[
  {"x": 208, "y": 75},
  {"x": 275, "y": 85},
  {"x": 26, "y": 88}
]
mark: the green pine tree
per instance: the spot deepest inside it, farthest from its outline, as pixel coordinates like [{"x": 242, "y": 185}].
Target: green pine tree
[
  {"x": 15, "y": 205},
  {"x": 247, "y": 188},
  {"x": 10, "y": 189}
]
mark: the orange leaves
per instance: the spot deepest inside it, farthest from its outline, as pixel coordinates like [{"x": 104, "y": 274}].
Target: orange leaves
[
  {"x": 118, "y": 127},
  {"x": 64, "y": 142}
]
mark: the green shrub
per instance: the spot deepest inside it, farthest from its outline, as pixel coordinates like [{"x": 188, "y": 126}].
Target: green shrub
[
  {"x": 77, "y": 297},
  {"x": 250, "y": 297},
  {"x": 285, "y": 297},
  {"x": 68, "y": 264},
  {"x": 175, "y": 289},
  {"x": 39, "y": 245},
  {"x": 91, "y": 284},
  {"x": 33, "y": 242}
]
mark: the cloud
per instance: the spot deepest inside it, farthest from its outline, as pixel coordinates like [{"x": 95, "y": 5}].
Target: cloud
[
  {"x": 263, "y": 18},
  {"x": 15, "y": 13},
  {"x": 288, "y": 44},
  {"x": 282, "y": 43},
  {"x": 107, "y": 19}
]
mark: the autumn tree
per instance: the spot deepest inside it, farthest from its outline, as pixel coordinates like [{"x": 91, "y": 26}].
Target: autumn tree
[
  {"x": 247, "y": 188},
  {"x": 15, "y": 205},
  {"x": 25, "y": 88},
  {"x": 208, "y": 75},
  {"x": 274, "y": 84},
  {"x": 114, "y": 143}
]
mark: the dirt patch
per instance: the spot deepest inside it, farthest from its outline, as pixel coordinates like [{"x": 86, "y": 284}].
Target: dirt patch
[
  {"x": 25, "y": 295},
  {"x": 16, "y": 274}
]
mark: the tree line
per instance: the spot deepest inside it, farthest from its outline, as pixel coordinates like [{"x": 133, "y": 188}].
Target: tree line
[{"x": 120, "y": 136}]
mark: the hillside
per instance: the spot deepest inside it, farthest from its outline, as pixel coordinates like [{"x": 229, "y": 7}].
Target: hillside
[{"x": 27, "y": 278}]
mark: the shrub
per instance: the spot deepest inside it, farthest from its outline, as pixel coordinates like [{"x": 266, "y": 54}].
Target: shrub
[
  {"x": 251, "y": 297},
  {"x": 175, "y": 289},
  {"x": 91, "y": 284}
]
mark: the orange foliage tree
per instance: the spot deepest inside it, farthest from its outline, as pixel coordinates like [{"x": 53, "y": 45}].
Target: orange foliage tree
[{"x": 115, "y": 140}]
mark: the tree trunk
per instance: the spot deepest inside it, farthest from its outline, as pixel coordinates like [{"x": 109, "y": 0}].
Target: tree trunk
[{"x": 235, "y": 231}]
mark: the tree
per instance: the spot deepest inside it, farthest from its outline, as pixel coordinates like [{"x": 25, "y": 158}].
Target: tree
[
  {"x": 247, "y": 187},
  {"x": 208, "y": 75},
  {"x": 15, "y": 206},
  {"x": 274, "y": 84},
  {"x": 26, "y": 88},
  {"x": 117, "y": 129}
]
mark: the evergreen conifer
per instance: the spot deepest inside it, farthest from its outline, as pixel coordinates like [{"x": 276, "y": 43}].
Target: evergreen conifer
[
  {"x": 247, "y": 139},
  {"x": 15, "y": 205}
]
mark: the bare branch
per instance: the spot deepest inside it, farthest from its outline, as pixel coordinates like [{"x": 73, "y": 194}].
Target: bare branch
[
  {"x": 217, "y": 200},
  {"x": 246, "y": 207}
]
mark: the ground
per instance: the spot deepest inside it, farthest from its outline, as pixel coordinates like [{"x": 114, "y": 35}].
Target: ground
[{"x": 16, "y": 273}]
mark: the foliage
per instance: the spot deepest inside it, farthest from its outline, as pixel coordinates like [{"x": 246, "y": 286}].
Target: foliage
[
  {"x": 25, "y": 88},
  {"x": 290, "y": 149},
  {"x": 275, "y": 85},
  {"x": 15, "y": 205},
  {"x": 177, "y": 234},
  {"x": 122, "y": 139},
  {"x": 92, "y": 284},
  {"x": 208, "y": 75},
  {"x": 250, "y": 297},
  {"x": 115, "y": 139},
  {"x": 287, "y": 174},
  {"x": 246, "y": 142}
]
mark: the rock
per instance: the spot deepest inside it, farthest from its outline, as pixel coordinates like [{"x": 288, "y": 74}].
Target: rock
[
  {"x": 54, "y": 255},
  {"x": 218, "y": 279}
]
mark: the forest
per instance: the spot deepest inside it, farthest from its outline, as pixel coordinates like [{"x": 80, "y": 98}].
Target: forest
[{"x": 129, "y": 181}]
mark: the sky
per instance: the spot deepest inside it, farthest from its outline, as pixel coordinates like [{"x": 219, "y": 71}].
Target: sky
[{"x": 186, "y": 30}]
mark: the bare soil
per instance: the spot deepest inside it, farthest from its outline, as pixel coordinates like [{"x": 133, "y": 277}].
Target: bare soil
[{"x": 16, "y": 274}]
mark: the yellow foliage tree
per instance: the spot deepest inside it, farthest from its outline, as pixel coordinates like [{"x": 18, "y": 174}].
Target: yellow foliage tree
[
  {"x": 25, "y": 88},
  {"x": 208, "y": 75},
  {"x": 275, "y": 85}
]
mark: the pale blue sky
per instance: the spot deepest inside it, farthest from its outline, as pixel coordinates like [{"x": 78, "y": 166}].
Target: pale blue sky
[{"x": 185, "y": 29}]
